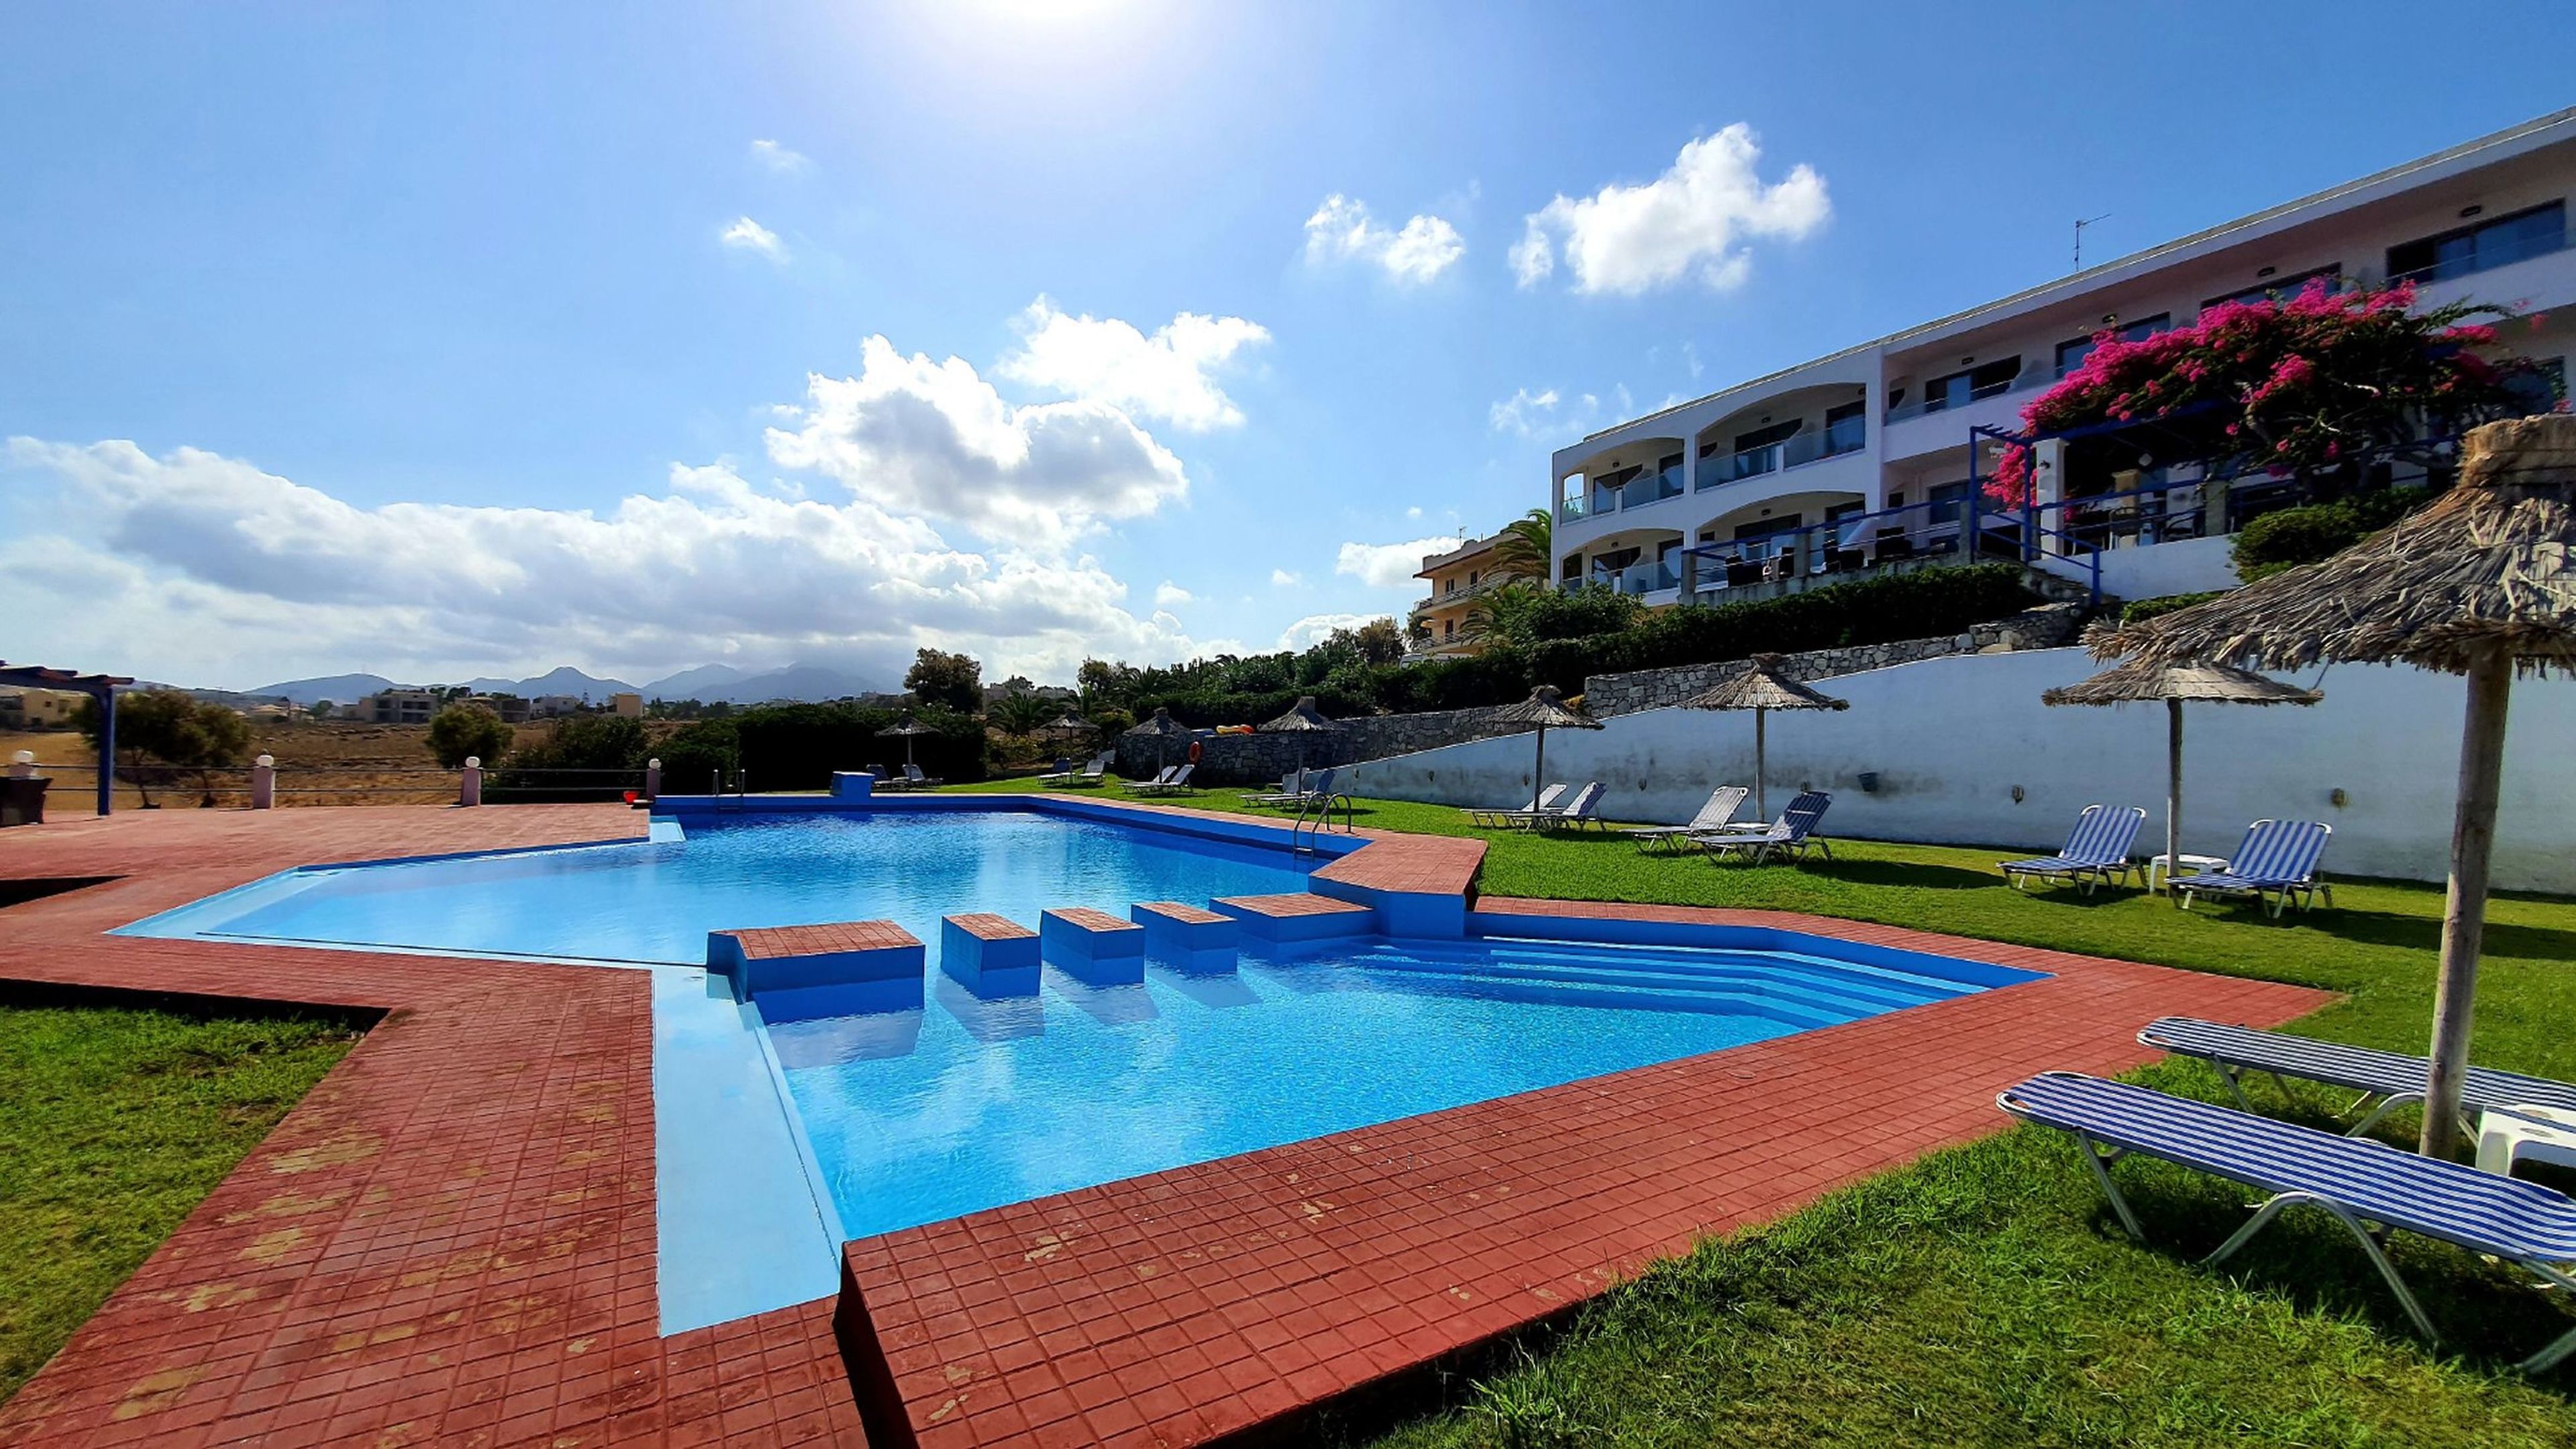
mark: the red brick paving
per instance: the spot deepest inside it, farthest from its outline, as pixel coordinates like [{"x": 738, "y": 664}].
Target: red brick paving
[
  {"x": 1291, "y": 907},
  {"x": 1098, "y": 923},
  {"x": 785, "y": 942},
  {"x": 1195, "y": 1303},
  {"x": 451, "y": 1239},
  {"x": 1187, "y": 915},
  {"x": 986, "y": 926}
]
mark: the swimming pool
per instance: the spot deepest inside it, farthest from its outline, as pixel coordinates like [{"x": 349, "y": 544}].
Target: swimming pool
[
  {"x": 778, "y": 1137},
  {"x": 655, "y": 902}
]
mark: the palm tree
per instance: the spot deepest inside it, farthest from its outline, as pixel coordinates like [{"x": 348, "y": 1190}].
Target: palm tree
[
  {"x": 1527, "y": 545},
  {"x": 1502, "y": 615}
]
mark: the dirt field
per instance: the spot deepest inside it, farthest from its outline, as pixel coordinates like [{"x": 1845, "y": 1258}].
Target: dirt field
[{"x": 317, "y": 764}]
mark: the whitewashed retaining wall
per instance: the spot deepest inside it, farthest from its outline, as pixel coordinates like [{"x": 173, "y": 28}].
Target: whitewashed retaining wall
[{"x": 1951, "y": 738}]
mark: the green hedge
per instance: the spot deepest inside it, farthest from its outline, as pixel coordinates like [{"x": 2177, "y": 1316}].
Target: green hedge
[
  {"x": 798, "y": 746},
  {"x": 2318, "y": 531},
  {"x": 1923, "y": 604}
]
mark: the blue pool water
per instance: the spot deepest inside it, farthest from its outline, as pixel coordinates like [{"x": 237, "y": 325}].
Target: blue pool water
[
  {"x": 965, "y": 1104},
  {"x": 656, "y": 903}
]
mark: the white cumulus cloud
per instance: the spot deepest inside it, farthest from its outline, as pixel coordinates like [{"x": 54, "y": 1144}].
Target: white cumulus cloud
[
  {"x": 750, "y": 236},
  {"x": 1316, "y": 628},
  {"x": 1689, "y": 223},
  {"x": 1418, "y": 251},
  {"x": 918, "y": 437},
  {"x": 1169, "y": 376},
  {"x": 1285, "y": 579},
  {"x": 207, "y": 569},
  {"x": 778, "y": 158},
  {"x": 1169, "y": 595},
  {"x": 1391, "y": 565}
]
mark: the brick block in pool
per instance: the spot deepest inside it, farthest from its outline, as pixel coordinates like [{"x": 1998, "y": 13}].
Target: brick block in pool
[
  {"x": 1291, "y": 918},
  {"x": 989, "y": 955},
  {"x": 1093, "y": 946},
  {"x": 1185, "y": 933},
  {"x": 798, "y": 958}
]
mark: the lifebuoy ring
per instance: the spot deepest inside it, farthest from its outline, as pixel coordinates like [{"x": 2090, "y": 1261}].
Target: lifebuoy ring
[{"x": 1196, "y": 750}]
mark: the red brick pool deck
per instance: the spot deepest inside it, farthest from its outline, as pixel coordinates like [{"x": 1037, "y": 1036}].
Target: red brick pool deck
[{"x": 451, "y": 1239}]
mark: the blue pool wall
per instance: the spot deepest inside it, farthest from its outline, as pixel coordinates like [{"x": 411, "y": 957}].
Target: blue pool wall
[{"x": 1630, "y": 932}]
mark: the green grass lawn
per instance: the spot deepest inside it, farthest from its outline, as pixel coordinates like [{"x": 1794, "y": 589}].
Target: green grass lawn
[
  {"x": 1985, "y": 1295},
  {"x": 114, "y": 1123}
]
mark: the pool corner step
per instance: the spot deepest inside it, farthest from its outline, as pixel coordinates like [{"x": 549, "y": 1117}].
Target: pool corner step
[
  {"x": 820, "y": 970},
  {"x": 1289, "y": 918},
  {"x": 1188, "y": 936}
]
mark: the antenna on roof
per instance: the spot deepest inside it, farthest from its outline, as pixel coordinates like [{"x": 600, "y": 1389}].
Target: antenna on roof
[{"x": 2079, "y": 237}]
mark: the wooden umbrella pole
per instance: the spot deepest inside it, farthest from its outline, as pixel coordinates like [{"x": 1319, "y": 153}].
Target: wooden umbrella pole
[
  {"x": 1761, "y": 805},
  {"x": 2464, "y": 915},
  {"x": 2173, "y": 797},
  {"x": 1538, "y": 772}
]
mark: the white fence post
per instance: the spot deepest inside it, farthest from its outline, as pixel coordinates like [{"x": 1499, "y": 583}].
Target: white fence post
[
  {"x": 22, "y": 765},
  {"x": 652, "y": 779},
  {"x": 471, "y": 792},
  {"x": 263, "y": 783}
]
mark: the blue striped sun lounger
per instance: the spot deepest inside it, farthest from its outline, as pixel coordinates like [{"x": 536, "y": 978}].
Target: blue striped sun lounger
[
  {"x": 2369, "y": 1186},
  {"x": 1793, "y": 834},
  {"x": 2278, "y": 857},
  {"x": 2096, "y": 853},
  {"x": 2393, "y": 1078}
]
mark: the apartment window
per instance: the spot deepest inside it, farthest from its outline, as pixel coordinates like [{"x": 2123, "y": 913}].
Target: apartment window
[
  {"x": 1571, "y": 571},
  {"x": 1846, "y": 428},
  {"x": 2071, "y": 354},
  {"x": 1471, "y": 578},
  {"x": 1957, "y": 389},
  {"x": 2537, "y": 232},
  {"x": 1448, "y": 628},
  {"x": 1765, "y": 437},
  {"x": 2281, "y": 289}
]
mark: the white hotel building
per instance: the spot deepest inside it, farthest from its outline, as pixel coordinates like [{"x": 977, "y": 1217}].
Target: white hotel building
[{"x": 1860, "y": 460}]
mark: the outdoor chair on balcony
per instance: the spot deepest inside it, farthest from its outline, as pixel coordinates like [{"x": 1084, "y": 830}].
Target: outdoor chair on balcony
[
  {"x": 2370, "y": 1187},
  {"x": 1545, "y": 800},
  {"x": 1176, "y": 783},
  {"x": 2277, "y": 858},
  {"x": 1583, "y": 810},
  {"x": 2393, "y": 1077},
  {"x": 2096, "y": 852},
  {"x": 1721, "y": 807},
  {"x": 1793, "y": 834}
]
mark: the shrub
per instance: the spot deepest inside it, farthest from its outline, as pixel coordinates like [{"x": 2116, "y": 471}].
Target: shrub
[
  {"x": 468, "y": 731},
  {"x": 697, "y": 755},
  {"x": 2318, "y": 531},
  {"x": 798, "y": 746},
  {"x": 165, "y": 735}
]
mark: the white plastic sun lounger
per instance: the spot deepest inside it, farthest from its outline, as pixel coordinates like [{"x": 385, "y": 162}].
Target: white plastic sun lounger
[
  {"x": 2096, "y": 853},
  {"x": 1504, "y": 819},
  {"x": 2394, "y": 1078},
  {"x": 2369, "y": 1186},
  {"x": 1288, "y": 793},
  {"x": 1713, "y": 816},
  {"x": 1177, "y": 782},
  {"x": 1582, "y": 810}
]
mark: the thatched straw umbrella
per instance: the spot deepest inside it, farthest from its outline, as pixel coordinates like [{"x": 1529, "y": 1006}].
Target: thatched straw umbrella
[
  {"x": 1303, "y": 716},
  {"x": 1164, "y": 729},
  {"x": 2481, "y": 584},
  {"x": 1069, "y": 722},
  {"x": 1762, "y": 688},
  {"x": 1544, "y": 710},
  {"x": 2140, "y": 681},
  {"x": 905, "y": 728}
]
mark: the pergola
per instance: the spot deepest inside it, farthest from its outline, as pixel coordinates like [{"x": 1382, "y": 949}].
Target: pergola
[{"x": 99, "y": 687}]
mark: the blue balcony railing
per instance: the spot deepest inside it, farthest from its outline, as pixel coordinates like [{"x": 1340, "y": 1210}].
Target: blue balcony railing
[{"x": 1847, "y": 436}]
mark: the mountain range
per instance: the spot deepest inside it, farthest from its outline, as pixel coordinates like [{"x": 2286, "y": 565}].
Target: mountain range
[{"x": 708, "y": 684}]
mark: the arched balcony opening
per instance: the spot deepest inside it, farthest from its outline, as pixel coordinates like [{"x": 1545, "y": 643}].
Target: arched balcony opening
[
  {"x": 1784, "y": 431},
  {"x": 1631, "y": 474}
]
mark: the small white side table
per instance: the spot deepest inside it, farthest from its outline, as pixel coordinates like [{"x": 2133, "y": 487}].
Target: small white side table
[
  {"x": 2507, "y": 1136},
  {"x": 2190, "y": 863}
]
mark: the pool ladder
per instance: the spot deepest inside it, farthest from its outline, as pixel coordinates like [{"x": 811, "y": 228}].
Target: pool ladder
[
  {"x": 1314, "y": 817},
  {"x": 741, "y": 789}
]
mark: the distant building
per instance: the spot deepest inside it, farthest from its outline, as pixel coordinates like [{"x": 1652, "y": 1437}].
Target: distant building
[
  {"x": 39, "y": 709},
  {"x": 626, "y": 706},
  {"x": 511, "y": 708},
  {"x": 397, "y": 706},
  {"x": 548, "y": 706},
  {"x": 1438, "y": 627}
]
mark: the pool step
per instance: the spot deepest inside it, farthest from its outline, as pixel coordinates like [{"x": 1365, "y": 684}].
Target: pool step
[
  {"x": 797, "y": 971},
  {"x": 1897, "y": 988},
  {"x": 1778, "y": 990}
]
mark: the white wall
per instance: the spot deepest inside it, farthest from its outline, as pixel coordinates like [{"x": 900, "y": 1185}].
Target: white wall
[
  {"x": 2184, "y": 566},
  {"x": 1950, "y": 738}
]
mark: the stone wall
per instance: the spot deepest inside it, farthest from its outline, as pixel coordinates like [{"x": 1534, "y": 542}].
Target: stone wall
[{"x": 2050, "y": 626}]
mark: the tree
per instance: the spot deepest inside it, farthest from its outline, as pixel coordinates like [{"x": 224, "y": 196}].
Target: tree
[
  {"x": 1379, "y": 641},
  {"x": 2321, "y": 381},
  {"x": 321, "y": 709},
  {"x": 468, "y": 731},
  {"x": 953, "y": 681},
  {"x": 1527, "y": 545},
  {"x": 1023, "y": 711},
  {"x": 163, "y": 734}
]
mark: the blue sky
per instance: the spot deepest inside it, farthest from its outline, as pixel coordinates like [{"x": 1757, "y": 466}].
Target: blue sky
[{"x": 466, "y": 339}]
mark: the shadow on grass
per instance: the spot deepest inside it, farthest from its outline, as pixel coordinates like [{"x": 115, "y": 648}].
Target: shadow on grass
[
  {"x": 1912, "y": 875},
  {"x": 2423, "y": 933}
]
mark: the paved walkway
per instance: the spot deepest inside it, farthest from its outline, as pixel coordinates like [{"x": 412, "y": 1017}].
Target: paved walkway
[{"x": 451, "y": 1239}]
